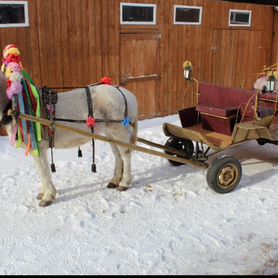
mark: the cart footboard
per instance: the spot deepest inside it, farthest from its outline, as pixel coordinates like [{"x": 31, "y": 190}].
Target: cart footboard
[{"x": 190, "y": 134}]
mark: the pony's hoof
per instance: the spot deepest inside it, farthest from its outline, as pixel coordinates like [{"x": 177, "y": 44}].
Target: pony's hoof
[
  {"x": 44, "y": 204},
  {"x": 40, "y": 195},
  {"x": 122, "y": 188},
  {"x": 112, "y": 185}
]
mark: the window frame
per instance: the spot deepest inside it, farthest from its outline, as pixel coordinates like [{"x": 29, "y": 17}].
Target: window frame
[
  {"x": 199, "y": 23},
  {"x": 154, "y": 6},
  {"x": 240, "y": 11},
  {"x": 26, "y": 14}
]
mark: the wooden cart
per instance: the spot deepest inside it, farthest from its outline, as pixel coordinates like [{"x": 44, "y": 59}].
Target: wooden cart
[{"x": 223, "y": 118}]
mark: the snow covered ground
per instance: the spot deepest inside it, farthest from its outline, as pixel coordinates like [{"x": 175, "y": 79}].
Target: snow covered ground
[{"x": 169, "y": 222}]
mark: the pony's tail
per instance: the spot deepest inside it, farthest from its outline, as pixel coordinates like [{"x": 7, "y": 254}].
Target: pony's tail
[{"x": 133, "y": 137}]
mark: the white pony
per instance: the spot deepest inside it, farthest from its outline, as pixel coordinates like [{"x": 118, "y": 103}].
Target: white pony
[{"x": 108, "y": 104}]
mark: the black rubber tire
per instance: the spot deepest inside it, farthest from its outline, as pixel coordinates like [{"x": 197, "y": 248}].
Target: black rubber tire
[
  {"x": 224, "y": 174},
  {"x": 184, "y": 145}
]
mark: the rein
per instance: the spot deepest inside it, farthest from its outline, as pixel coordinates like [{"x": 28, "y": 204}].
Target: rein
[
  {"x": 90, "y": 107},
  {"x": 72, "y": 87},
  {"x": 85, "y": 121}
]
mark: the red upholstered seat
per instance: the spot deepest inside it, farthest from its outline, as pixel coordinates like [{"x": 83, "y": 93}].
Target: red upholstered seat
[
  {"x": 218, "y": 111},
  {"x": 221, "y": 107}
]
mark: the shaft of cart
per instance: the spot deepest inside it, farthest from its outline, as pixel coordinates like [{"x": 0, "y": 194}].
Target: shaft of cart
[{"x": 177, "y": 158}]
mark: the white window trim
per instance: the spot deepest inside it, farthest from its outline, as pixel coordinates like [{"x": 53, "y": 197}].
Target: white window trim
[
  {"x": 26, "y": 15},
  {"x": 188, "y": 23},
  {"x": 241, "y": 11},
  {"x": 138, "y": 22}
]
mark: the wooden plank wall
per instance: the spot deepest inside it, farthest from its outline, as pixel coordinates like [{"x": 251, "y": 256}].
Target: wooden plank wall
[
  {"x": 68, "y": 42},
  {"x": 195, "y": 43},
  {"x": 76, "y": 42},
  {"x": 275, "y": 40},
  {"x": 24, "y": 38}
]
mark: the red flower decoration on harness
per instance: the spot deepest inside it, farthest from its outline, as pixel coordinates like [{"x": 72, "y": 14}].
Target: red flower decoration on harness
[
  {"x": 91, "y": 122},
  {"x": 106, "y": 81}
]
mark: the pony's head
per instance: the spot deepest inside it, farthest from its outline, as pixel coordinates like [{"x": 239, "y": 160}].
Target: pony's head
[
  {"x": 10, "y": 73},
  {"x": 11, "y": 54}
]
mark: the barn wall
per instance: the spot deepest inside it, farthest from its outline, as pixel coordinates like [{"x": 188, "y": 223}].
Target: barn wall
[
  {"x": 275, "y": 40},
  {"x": 220, "y": 54},
  {"x": 25, "y": 38},
  {"x": 76, "y": 42},
  {"x": 69, "y": 42}
]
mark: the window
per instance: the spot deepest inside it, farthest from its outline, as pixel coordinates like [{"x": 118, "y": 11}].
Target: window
[
  {"x": 188, "y": 15},
  {"x": 138, "y": 14},
  {"x": 14, "y": 14},
  {"x": 240, "y": 18}
]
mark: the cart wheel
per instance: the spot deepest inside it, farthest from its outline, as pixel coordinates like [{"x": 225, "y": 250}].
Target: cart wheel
[
  {"x": 224, "y": 174},
  {"x": 184, "y": 145}
]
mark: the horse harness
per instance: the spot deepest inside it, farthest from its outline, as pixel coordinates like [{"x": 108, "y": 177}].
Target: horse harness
[{"x": 49, "y": 99}]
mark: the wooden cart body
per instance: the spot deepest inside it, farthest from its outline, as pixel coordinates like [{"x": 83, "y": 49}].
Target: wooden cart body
[
  {"x": 242, "y": 132},
  {"x": 224, "y": 118}
]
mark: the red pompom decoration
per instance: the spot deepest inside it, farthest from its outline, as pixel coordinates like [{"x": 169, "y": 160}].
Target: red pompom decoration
[
  {"x": 91, "y": 122},
  {"x": 13, "y": 58},
  {"x": 106, "y": 80}
]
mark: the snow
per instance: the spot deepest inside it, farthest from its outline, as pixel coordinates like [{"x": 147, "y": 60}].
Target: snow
[{"x": 168, "y": 222}]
